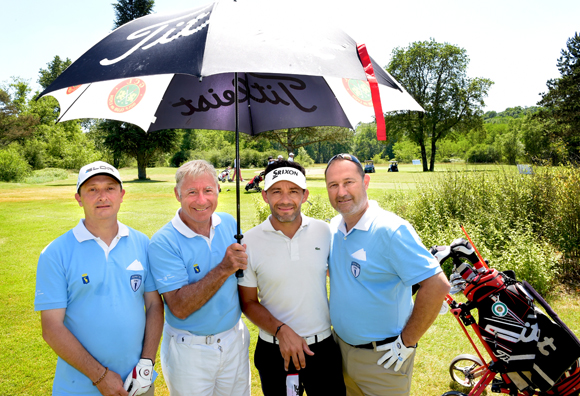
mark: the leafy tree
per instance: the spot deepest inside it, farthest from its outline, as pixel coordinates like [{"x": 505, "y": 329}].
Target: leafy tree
[
  {"x": 366, "y": 145},
  {"x": 127, "y": 10},
  {"x": 144, "y": 146},
  {"x": 435, "y": 75},
  {"x": 52, "y": 71},
  {"x": 16, "y": 123},
  {"x": 292, "y": 139},
  {"x": 562, "y": 101}
]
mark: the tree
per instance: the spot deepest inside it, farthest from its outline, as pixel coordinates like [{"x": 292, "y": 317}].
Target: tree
[
  {"x": 127, "y": 10},
  {"x": 435, "y": 75},
  {"x": 144, "y": 146},
  {"x": 562, "y": 101},
  {"x": 292, "y": 139},
  {"x": 52, "y": 71},
  {"x": 16, "y": 123}
]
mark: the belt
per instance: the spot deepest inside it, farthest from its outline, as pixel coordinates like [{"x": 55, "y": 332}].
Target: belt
[
  {"x": 185, "y": 337},
  {"x": 309, "y": 340},
  {"x": 377, "y": 343}
]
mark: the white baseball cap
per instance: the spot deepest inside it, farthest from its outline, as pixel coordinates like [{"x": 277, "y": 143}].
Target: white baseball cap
[
  {"x": 291, "y": 154},
  {"x": 287, "y": 173},
  {"x": 280, "y": 157},
  {"x": 97, "y": 168}
]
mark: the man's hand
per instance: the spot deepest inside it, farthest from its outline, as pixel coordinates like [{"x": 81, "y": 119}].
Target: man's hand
[
  {"x": 292, "y": 347},
  {"x": 235, "y": 258},
  {"x": 139, "y": 379},
  {"x": 396, "y": 352},
  {"x": 112, "y": 385}
]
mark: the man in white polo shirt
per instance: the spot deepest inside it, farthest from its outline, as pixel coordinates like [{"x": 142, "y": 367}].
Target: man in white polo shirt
[
  {"x": 92, "y": 284},
  {"x": 193, "y": 260},
  {"x": 283, "y": 292}
]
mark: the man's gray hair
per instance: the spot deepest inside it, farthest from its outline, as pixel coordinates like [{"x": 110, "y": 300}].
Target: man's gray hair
[{"x": 195, "y": 169}]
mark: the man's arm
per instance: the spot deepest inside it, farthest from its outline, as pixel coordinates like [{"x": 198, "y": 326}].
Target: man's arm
[
  {"x": 292, "y": 346},
  {"x": 427, "y": 306},
  {"x": 153, "y": 324},
  {"x": 188, "y": 299},
  {"x": 68, "y": 347}
]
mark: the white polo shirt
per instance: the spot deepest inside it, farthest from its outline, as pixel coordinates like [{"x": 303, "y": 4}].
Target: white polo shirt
[{"x": 290, "y": 274}]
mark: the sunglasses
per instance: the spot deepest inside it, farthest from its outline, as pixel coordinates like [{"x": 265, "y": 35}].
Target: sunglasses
[{"x": 344, "y": 156}]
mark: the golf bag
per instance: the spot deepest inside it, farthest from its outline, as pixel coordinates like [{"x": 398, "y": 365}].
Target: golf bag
[
  {"x": 531, "y": 348},
  {"x": 254, "y": 184},
  {"x": 224, "y": 175}
]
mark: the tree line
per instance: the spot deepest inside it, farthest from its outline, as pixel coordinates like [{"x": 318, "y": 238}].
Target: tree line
[{"x": 453, "y": 126}]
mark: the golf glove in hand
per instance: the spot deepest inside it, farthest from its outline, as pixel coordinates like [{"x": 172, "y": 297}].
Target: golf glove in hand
[
  {"x": 139, "y": 380},
  {"x": 397, "y": 353}
]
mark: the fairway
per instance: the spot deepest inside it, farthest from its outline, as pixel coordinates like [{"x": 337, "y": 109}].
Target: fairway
[{"x": 33, "y": 215}]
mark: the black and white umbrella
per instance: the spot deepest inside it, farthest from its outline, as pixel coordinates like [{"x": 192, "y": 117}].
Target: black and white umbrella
[{"x": 246, "y": 66}]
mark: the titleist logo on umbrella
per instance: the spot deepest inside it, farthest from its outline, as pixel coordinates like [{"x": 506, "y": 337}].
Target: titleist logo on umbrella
[
  {"x": 161, "y": 33},
  {"x": 265, "y": 93}
]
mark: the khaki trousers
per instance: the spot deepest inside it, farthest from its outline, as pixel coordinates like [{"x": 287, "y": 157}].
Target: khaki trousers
[{"x": 364, "y": 377}]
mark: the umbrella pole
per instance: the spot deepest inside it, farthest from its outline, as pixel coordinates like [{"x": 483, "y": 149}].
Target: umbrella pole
[{"x": 238, "y": 236}]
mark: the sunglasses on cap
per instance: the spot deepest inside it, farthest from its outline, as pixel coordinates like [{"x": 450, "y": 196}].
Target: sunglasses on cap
[{"x": 344, "y": 156}]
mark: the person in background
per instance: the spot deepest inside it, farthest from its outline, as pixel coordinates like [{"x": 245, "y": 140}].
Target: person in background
[
  {"x": 235, "y": 173},
  {"x": 291, "y": 157},
  {"x": 99, "y": 307},
  {"x": 375, "y": 259},
  {"x": 271, "y": 160}
]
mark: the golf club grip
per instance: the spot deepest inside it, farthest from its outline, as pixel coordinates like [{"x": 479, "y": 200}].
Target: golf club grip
[{"x": 239, "y": 273}]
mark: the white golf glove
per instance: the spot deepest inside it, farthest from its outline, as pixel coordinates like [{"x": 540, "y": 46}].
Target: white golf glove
[
  {"x": 397, "y": 353},
  {"x": 139, "y": 379}
]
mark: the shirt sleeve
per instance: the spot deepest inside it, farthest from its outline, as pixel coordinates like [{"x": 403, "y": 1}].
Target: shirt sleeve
[
  {"x": 51, "y": 283},
  {"x": 409, "y": 257},
  {"x": 166, "y": 265}
]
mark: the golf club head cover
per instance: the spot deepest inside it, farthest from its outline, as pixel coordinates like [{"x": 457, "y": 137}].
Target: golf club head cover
[
  {"x": 396, "y": 353},
  {"x": 463, "y": 249},
  {"x": 139, "y": 379}
]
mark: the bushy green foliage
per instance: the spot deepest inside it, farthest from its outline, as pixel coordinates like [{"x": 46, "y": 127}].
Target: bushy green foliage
[
  {"x": 303, "y": 158},
  {"x": 46, "y": 175},
  {"x": 405, "y": 151},
  {"x": 528, "y": 223},
  {"x": 483, "y": 153},
  {"x": 13, "y": 167}
]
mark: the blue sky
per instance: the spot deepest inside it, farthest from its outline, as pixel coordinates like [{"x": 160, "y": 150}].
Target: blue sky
[{"x": 514, "y": 43}]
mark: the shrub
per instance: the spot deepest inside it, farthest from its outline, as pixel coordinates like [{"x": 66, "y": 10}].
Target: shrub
[
  {"x": 483, "y": 153},
  {"x": 46, "y": 175},
  {"x": 13, "y": 167}
]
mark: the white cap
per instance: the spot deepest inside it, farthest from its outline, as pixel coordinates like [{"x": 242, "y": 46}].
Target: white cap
[
  {"x": 287, "y": 173},
  {"x": 280, "y": 157},
  {"x": 97, "y": 168},
  {"x": 292, "y": 154}
]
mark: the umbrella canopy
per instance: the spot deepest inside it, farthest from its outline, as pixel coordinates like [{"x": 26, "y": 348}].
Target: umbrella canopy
[{"x": 147, "y": 72}]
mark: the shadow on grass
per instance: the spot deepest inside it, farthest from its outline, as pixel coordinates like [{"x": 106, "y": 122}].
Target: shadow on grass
[{"x": 144, "y": 181}]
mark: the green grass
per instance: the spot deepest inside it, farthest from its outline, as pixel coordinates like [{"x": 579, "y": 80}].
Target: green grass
[{"x": 32, "y": 215}]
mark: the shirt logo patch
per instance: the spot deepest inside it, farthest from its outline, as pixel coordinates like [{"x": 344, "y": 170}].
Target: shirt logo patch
[
  {"x": 355, "y": 269},
  {"x": 135, "y": 282},
  {"x": 196, "y": 268},
  {"x": 86, "y": 279}
]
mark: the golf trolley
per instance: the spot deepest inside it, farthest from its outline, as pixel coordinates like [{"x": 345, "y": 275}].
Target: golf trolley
[
  {"x": 254, "y": 184},
  {"x": 224, "y": 175},
  {"x": 531, "y": 353}
]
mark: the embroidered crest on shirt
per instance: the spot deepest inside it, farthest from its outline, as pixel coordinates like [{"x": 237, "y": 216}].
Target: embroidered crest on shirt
[
  {"x": 135, "y": 282},
  {"x": 196, "y": 268},
  {"x": 86, "y": 278},
  {"x": 355, "y": 269}
]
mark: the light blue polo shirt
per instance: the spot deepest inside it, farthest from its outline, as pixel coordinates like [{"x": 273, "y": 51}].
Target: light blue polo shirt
[
  {"x": 179, "y": 256},
  {"x": 372, "y": 269},
  {"x": 102, "y": 289}
]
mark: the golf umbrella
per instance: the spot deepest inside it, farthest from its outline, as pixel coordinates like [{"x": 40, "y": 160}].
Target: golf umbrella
[{"x": 246, "y": 66}]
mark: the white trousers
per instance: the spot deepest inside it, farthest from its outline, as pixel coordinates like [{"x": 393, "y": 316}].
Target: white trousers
[{"x": 218, "y": 369}]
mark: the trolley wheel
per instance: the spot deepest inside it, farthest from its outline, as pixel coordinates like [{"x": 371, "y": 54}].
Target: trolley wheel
[
  {"x": 465, "y": 370},
  {"x": 454, "y": 393}
]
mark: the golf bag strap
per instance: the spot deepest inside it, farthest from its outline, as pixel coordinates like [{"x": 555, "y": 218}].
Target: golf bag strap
[{"x": 374, "y": 85}]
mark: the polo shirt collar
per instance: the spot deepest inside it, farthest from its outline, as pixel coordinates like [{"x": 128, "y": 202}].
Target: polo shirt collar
[
  {"x": 187, "y": 232},
  {"x": 364, "y": 223},
  {"x": 267, "y": 225},
  {"x": 82, "y": 234}
]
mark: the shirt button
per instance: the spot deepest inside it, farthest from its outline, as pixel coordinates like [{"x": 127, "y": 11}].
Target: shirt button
[{"x": 345, "y": 238}]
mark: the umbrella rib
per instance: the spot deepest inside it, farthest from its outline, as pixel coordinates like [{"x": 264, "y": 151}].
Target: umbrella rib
[{"x": 72, "y": 104}]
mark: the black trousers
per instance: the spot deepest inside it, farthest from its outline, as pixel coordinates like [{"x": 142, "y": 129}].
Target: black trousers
[{"x": 321, "y": 377}]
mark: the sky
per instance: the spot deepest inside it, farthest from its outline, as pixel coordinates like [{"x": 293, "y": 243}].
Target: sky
[{"x": 515, "y": 43}]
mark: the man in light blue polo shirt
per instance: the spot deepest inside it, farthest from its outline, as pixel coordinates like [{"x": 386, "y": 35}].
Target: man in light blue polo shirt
[
  {"x": 376, "y": 257},
  {"x": 92, "y": 284},
  {"x": 193, "y": 260}
]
